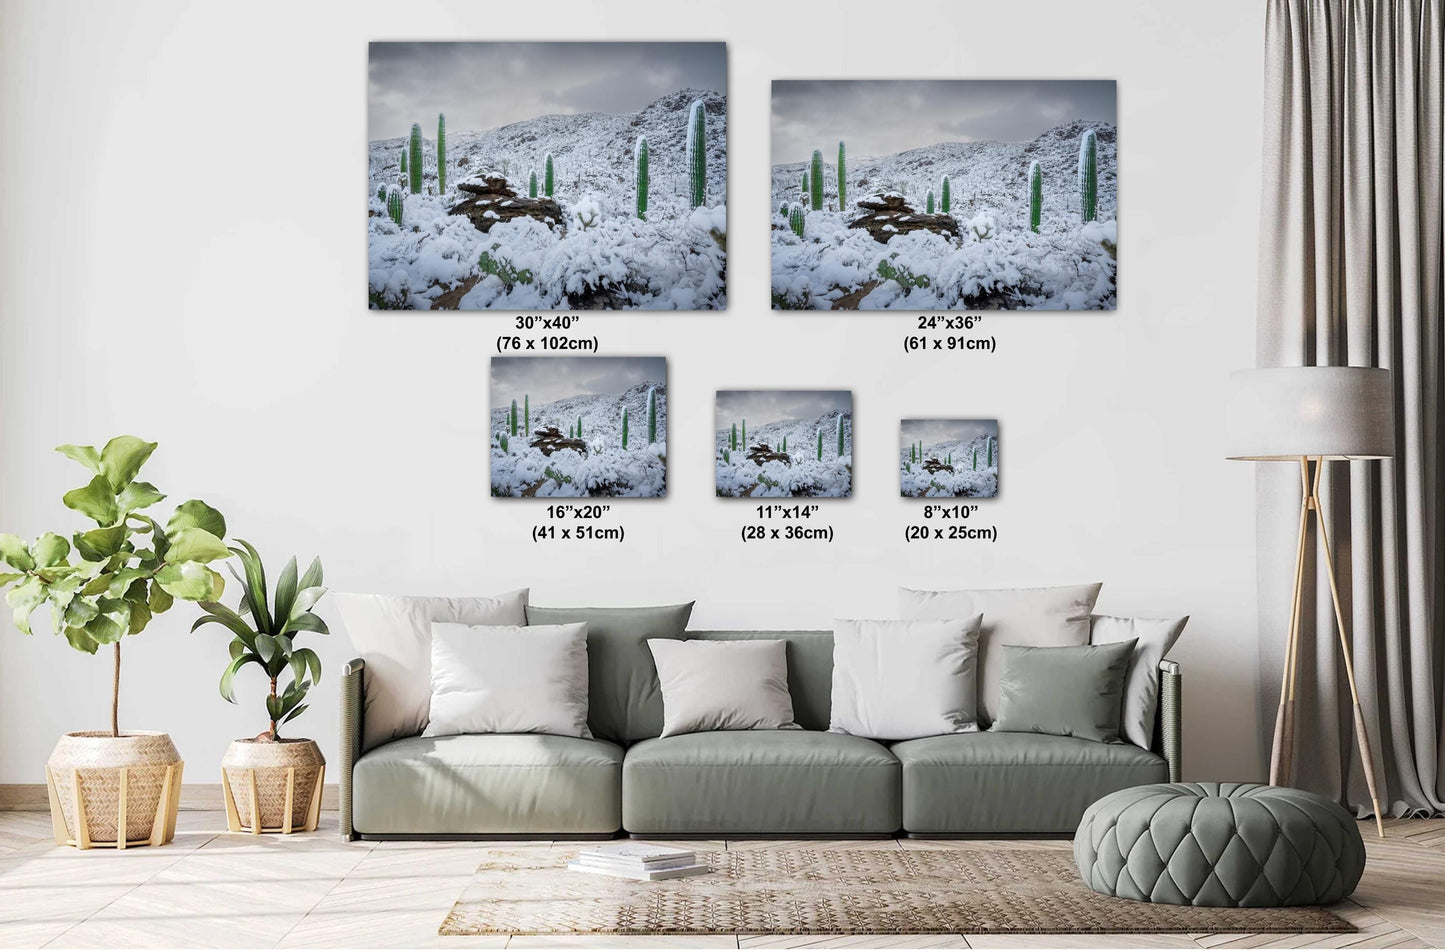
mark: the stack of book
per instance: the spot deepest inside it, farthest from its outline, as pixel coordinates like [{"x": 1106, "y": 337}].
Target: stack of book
[{"x": 640, "y": 862}]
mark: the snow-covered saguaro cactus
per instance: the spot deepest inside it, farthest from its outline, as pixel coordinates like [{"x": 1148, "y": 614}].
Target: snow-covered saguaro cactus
[
  {"x": 414, "y": 159},
  {"x": 912, "y": 449},
  {"x": 820, "y": 445},
  {"x": 697, "y": 153},
  {"x": 990, "y": 453},
  {"x": 403, "y": 162},
  {"x": 579, "y": 427},
  {"x": 1036, "y": 197},
  {"x": 512, "y": 418},
  {"x": 945, "y": 198},
  {"x": 929, "y": 205},
  {"x": 733, "y": 438},
  {"x": 805, "y": 186},
  {"x": 532, "y": 185},
  {"x": 624, "y": 428},
  {"x": 526, "y": 414},
  {"x": 744, "y": 435},
  {"x": 394, "y": 206},
  {"x": 1089, "y": 176},
  {"x": 795, "y": 219},
  {"x": 975, "y": 458},
  {"x": 502, "y": 441},
  {"x": 815, "y": 182},
  {"x": 441, "y": 154},
  {"x": 652, "y": 416},
  {"x": 842, "y": 177},
  {"x": 784, "y": 449},
  {"x": 381, "y": 192},
  {"x": 639, "y": 167},
  {"x": 727, "y": 456},
  {"x": 841, "y": 438},
  {"x": 548, "y": 176}
]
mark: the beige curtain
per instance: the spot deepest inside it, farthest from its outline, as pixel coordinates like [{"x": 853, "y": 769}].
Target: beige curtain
[{"x": 1350, "y": 274}]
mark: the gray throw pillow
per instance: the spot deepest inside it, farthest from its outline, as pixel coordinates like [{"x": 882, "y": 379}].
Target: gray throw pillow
[
  {"x": 1064, "y": 691},
  {"x": 719, "y": 686},
  {"x": 904, "y": 679},
  {"x": 625, "y": 698},
  {"x": 1154, "y": 638}
]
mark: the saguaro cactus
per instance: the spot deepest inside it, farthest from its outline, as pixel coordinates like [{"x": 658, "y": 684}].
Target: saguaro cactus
[
  {"x": 512, "y": 419},
  {"x": 639, "y": 167},
  {"x": 1036, "y": 197},
  {"x": 820, "y": 445},
  {"x": 532, "y": 185},
  {"x": 697, "y": 153},
  {"x": 815, "y": 183},
  {"x": 403, "y": 161},
  {"x": 842, "y": 177},
  {"x": 990, "y": 453},
  {"x": 441, "y": 153},
  {"x": 946, "y": 197},
  {"x": 727, "y": 456},
  {"x": 744, "y": 435},
  {"x": 624, "y": 428},
  {"x": 805, "y": 186},
  {"x": 975, "y": 458},
  {"x": 912, "y": 452},
  {"x": 733, "y": 438},
  {"x": 394, "y": 206},
  {"x": 579, "y": 427},
  {"x": 840, "y": 436},
  {"x": 795, "y": 219},
  {"x": 929, "y": 207},
  {"x": 414, "y": 162},
  {"x": 784, "y": 448},
  {"x": 526, "y": 413},
  {"x": 1089, "y": 176},
  {"x": 652, "y": 416},
  {"x": 502, "y": 441},
  {"x": 548, "y": 176}
]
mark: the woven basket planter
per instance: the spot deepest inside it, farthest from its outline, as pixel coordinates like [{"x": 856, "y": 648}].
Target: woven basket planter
[
  {"x": 279, "y": 781},
  {"x": 114, "y": 791}
]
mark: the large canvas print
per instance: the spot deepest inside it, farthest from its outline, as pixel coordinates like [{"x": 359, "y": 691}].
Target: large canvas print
[
  {"x": 569, "y": 427},
  {"x": 948, "y": 458},
  {"x": 547, "y": 176},
  {"x": 784, "y": 443},
  {"x": 944, "y": 195}
]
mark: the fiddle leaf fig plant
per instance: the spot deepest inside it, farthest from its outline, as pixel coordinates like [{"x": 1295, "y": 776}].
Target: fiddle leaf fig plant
[
  {"x": 264, "y": 631},
  {"x": 106, "y": 583}
]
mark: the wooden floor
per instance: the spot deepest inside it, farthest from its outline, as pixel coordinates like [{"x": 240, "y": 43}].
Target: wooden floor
[{"x": 212, "y": 889}]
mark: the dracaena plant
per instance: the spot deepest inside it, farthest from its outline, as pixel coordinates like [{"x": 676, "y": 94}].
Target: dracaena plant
[
  {"x": 108, "y": 582},
  {"x": 264, "y": 631}
]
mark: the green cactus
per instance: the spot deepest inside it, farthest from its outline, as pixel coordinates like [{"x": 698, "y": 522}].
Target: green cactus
[
  {"x": 784, "y": 448},
  {"x": 946, "y": 198},
  {"x": 950, "y": 460},
  {"x": 990, "y": 453},
  {"x": 744, "y": 436},
  {"x": 727, "y": 456},
  {"x": 394, "y": 206},
  {"x": 414, "y": 163},
  {"x": 548, "y": 176},
  {"x": 1036, "y": 197},
  {"x": 503, "y": 441},
  {"x": 579, "y": 427},
  {"x": 795, "y": 219},
  {"x": 652, "y": 416},
  {"x": 815, "y": 183},
  {"x": 526, "y": 414},
  {"x": 912, "y": 452},
  {"x": 733, "y": 438},
  {"x": 512, "y": 418},
  {"x": 403, "y": 162},
  {"x": 441, "y": 154},
  {"x": 840, "y": 437},
  {"x": 381, "y": 193},
  {"x": 639, "y": 171},
  {"x": 532, "y": 185},
  {"x": 1089, "y": 176},
  {"x": 842, "y": 178},
  {"x": 975, "y": 458},
  {"x": 697, "y": 153},
  {"x": 820, "y": 445},
  {"x": 624, "y": 428},
  {"x": 806, "y": 190},
  {"x": 930, "y": 201}
]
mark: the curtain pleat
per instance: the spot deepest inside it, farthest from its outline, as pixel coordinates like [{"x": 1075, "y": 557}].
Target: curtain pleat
[{"x": 1351, "y": 274}]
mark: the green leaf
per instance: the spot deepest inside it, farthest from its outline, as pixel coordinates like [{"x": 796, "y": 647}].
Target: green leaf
[
  {"x": 96, "y": 501},
  {"x": 305, "y": 600},
  {"x": 80, "y": 612},
  {"x": 24, "y": 598},
  {"x": 14, "y": 552},
  {"x": 80, "y": 639},
  {"x": 9, "y": 578},
  {"x": 138, "y": 495},
  {"x": 112, "y": 623},
  {"x": 238, "y": 646},
  {"x": 196, "y": 544},
  {"x": 98, "y": 585},
  {"x": 312, "y": 577},
  {"x": 221, "y": 614},
  {"x": 228, "y": 677},
  {"x": 159, "y": 601},
  {"x": 84, "y": 454},
  {"x": 197, "y": 514},
  {"x": 140, "y": 615},
  {"x": 286, "y": 590},
  {"x": 124, "y": 579},
  {"x": 254, "y": 589},
  {"x": 97, "y": 544},
  {"x": 191, "y": 580},
  {"x": 273, "y": 707},
  {"x": 310, "y": 662},
  {"x": 122, "y": 458},
  {"x": 308, "y": 622},
  {"x": 267, "y": 647},
  {"x": 50, "y": 549},
  {"x": 294, "y": 713}
]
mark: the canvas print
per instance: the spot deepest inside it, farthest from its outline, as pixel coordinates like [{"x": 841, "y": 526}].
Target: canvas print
[
  {"x": 948, "y": 458},
  {"x": 547, "y": 176},
  {"x": 944, "y": 195},
  {"x": 572, "y": 427},
  {"x": 784, "y": 443}
]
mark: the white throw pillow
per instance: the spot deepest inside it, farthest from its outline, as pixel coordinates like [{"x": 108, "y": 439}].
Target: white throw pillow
[
  {"x": 901, "y": 679},
  {"x": 1154, "y": 636},
  {"x": 393, "y": 635},
  {"x": 508, "y": 679},
  {"x": 714, "y": 686},
  {"x": 1024, "y": 616}
]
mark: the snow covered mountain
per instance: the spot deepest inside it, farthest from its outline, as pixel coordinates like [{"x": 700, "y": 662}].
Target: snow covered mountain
[
  {"x": 605, "y": 468},
  {"x": 804, "y": 474},
  {"x": 997, "y": 263},
  {"x": 973, "y": 475},
  {"x": 600, "y": 256}
]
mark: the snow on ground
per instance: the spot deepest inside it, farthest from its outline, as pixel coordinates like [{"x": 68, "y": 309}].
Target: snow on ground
[
  {"x": 803, "y": 475},
  {"x": 605, "y": 469},
  {"x": 600, "y": 257},
  {"x": 965, "y": 481},
  {"x": 996, "y": 264}
]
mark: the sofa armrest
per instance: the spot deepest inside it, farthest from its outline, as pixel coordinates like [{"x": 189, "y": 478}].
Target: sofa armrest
[
  {"x": 352, "y": 683},
  {"x": 1171, "y": 718}
]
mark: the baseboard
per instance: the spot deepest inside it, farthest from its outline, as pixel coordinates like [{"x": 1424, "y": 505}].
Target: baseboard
[{"x": 195, "y": 796}]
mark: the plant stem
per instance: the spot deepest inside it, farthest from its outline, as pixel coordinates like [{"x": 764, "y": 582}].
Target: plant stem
[
  {"x": 273, "y": 696},
  {"x": 115, "y": 696}
]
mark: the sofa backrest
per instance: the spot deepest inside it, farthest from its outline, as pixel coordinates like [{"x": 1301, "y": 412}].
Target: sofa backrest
[{"x": 810, "y": 668}]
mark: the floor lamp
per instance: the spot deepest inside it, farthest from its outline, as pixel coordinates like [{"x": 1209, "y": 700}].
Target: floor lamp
[{"x": 1310, "y": 415}]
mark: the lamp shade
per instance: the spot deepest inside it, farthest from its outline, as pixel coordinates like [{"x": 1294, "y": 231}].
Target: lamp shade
[{"x": 1335, "y": 412}]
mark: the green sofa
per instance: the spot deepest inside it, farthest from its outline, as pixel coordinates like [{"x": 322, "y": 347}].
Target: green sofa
[{"x": 787, "y": 783}]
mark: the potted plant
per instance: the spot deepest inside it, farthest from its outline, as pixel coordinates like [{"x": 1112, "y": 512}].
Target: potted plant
[
  {"x": 114, "y": 788},
  {"x": 272, "y": 784}
]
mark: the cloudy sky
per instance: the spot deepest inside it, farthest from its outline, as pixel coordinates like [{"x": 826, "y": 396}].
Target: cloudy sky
[
  {"x": 484, "y": 85},
  {"x": 549, "y": 378},
  {"x": 763, "y": 406},
  {"x": 934, "y": 431},
  {"x": 884, "y": 116}
]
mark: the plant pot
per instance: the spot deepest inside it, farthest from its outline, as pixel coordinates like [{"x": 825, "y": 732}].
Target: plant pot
[
  {"x": 278, "y": 780},
  {"x": 114, "y": 791}
]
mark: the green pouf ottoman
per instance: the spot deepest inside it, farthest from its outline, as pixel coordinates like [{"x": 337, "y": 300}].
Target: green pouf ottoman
[{"x": 1218, "y": 844}]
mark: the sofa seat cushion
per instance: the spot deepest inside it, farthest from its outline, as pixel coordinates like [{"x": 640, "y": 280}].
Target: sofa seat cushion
[
  {"x": 489, "y": 785},
  {"x": 1013, "y": 782},
  {"x": 760, "y": 782}
]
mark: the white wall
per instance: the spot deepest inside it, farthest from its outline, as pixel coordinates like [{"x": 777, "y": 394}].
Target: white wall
[{"x": 183, "y": 259}]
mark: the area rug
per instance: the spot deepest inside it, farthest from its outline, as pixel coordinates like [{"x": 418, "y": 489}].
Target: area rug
[{"x": 821, "y": 891}]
